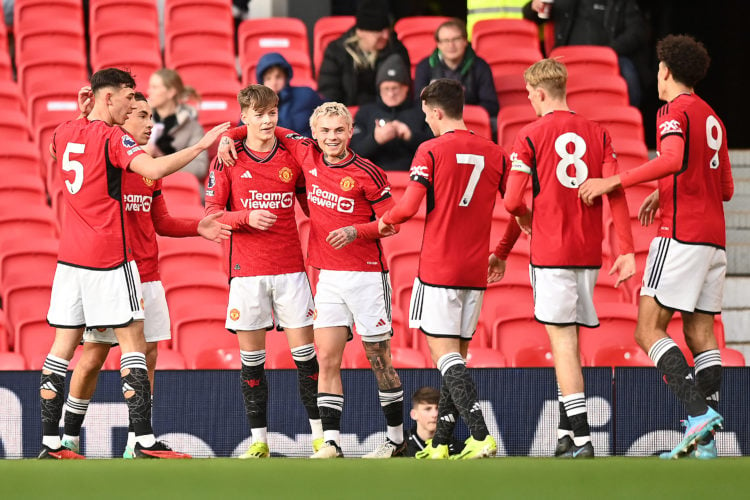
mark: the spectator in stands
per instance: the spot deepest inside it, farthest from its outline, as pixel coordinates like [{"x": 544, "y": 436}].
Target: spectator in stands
[
  {"x": 389, "y": 130},
  {"x": 296, "y": 104},
  {"x": 424, "y": 412},
  {"x": 347, "y": 73},
  {"x": 614, "y": 23},
  {"x": 455, "y": 59},
  {"x": 175, "y": 125},
  {"x": 479, "y": 10}
]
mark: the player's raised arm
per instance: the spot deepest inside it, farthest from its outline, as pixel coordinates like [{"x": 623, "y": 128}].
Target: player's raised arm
[{"x": 157, "y": 168}]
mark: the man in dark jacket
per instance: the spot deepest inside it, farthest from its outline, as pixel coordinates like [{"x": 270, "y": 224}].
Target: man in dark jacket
[
  {"x": 389, "y": 130},
  {"x": 455, "y": 59},
  {"x": 296, "y": 104},
  {"x": 347, "y": 73},
  {"x": 618, "y": 24}
]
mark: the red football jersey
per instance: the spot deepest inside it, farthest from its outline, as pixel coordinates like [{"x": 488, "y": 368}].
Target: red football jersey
[
  {"x": 139, "y": 196},
  {"x": 339, "y": 195},
  {"x": 91, "y": 157},
  {"x": 560, "y": 150},
  {"x": 691, "y": 204},
  {"x": 463, "y": 174},
  {"x": 252, "y": 183}
]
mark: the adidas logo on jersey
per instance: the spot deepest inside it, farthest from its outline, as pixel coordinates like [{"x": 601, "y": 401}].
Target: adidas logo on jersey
[
  {"x": 380, "y": 322},
  {"x": 246, "y": 175},
  {"x": 314, "y": 172}
]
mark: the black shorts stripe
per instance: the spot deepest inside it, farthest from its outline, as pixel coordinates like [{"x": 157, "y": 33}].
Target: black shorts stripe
[
  {"x": 132, "y": 293},
  {"x": 658, "y": 267},
  {"x": 386, "y": 295},
  {"x": 416, "y": 313}
]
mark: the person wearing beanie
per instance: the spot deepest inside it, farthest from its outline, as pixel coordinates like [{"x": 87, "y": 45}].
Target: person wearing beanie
[
  {"x": 350, "y": 63},
  {"x": 296, "y": 104},
  {"x": 455, "y": 59},
  {"x": 389, "y": 130}
]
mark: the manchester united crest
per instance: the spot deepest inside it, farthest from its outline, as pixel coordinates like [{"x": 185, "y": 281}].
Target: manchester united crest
[
  {"x": 147, "y": 181},
  {"x": 285, "y": 174},
  {"x": 234, "y": 315},
  {"x": 347, "y": 183}
]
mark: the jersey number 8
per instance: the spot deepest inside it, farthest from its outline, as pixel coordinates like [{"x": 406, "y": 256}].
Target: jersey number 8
[{"x": 567, "y": 159}]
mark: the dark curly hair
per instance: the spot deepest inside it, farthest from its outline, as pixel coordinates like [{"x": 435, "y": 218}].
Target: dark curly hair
[{"x": 685, "y": 57}]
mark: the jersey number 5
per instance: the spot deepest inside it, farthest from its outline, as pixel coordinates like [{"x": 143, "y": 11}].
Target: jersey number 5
[
  {"x": 478, "y": 162},
  {"x": 72, "y": 165},
  {"x": 581, "y": 170}
]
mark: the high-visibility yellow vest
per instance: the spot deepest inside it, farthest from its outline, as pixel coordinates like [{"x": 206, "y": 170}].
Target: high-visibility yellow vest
[{"x": 477, "y": 10}]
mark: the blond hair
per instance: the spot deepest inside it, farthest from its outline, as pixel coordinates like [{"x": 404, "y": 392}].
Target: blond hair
[
  {"x": 258, "y": 98},
  {"x": 330, "y": 109},
  {"x": 550, "y": 74}
]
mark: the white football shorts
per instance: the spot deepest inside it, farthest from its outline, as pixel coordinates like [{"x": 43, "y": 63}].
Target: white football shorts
[
  {"x": 564, "y": 296},
  {"x": 445, "y": 312},
  {"x": 95, "y": 298},
  {"x": 156, "y": 326},
  {"x": 360, "y": 298},
  {"x": 254, "y": 302},
  {"x": 685, "y": 277}
]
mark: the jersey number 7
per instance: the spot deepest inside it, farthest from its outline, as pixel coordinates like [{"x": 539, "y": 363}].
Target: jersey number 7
[{"x": 478, "y": 162}]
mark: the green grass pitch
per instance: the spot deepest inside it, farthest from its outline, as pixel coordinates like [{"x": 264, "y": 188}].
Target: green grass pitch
[{"x": 507, "y": 478}]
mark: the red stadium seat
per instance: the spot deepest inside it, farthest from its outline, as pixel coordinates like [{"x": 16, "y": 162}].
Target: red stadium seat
[
  {"x": 190, "y": 253},
  {"x": 403, "y": 268},
  {"x": 28, "y": 191},
  {"x": 217, "y": 359},
  {"x": 6, "y": 338},
  {"x": 219, "y": 103},
  {"x": 620, "y": 356},
  {"x": 732, "y": 357},
  {"x": 10, "y": 96},
  {"x": 201, "y": 41},
  {"x": 105, "y": 15},
  {"x": 298, "y": 60},
  {"x": 182, "y": 12},
  {"x": 512, "y": 62},
  {"x": 586, "y": 60},
  {"x": 209, "y": 75},
  {"x": 18, "y": 256},
  {"x": 195, "y": 334},
  {"x": 511, "y": 90},
  {"x": 275, "y": 34},
  {"x": 409, "y": 237},
  {"x": 107, "y": 45},
  {"x": 14, "y": 126},
  {"x": 630, "y": 154},
  {"x": 513, "y": 333},
  {"x": 10, "y": 361},
  {"x": 59, "y": 102},
  {"x": 477, "y": 120},
  {"x": 45, "y": 70},
  {"x": 181, "y": 187},
  {"x": 490, "y": 35},
  {"x": 141, "y": 61},
  {"x": 66, "y": 33},
  {"x": 20, "y": 156},
  {"x": 6, "y": 70},
  {"x": 33, "y": 340},
  {"x": 510, "y": 120},
  {"x": 482, "y": 357},
  {"x": 405, "y": 357},
  {"x": 623, "y": 122},
  {"x": 354, "y": 354},
  {"x": 170, "y": 360},
  {"x": 533, "y": 356},
  {"x": 191, "y": 290},
  {"x": 617, "y": 322},
  {"x": 512, "y": 295},
  {"x": 34, "y": 222},
  {"x": 326, "y": 30},
  {"x": 417, "y": 33},
  {"x": 597, "y": 90},
  {"x": 280, "y": 360},
  {"x": 34, "y": 13}
]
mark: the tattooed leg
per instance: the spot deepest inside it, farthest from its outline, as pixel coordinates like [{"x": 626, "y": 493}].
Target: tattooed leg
[{"x": 391, "y": 393}]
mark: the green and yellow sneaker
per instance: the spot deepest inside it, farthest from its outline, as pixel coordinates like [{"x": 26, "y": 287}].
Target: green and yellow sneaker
[
  {"x": 477, "y": 449},
  {"x": 256, "y": 450},
  {"x": 317, "y": 444},
  {"x": 430, "y": 452}
]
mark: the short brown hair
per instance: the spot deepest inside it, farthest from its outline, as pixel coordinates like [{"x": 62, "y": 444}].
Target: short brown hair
[
  {"x": 452, "y": 23},
  {"x": 425, "y": 395},
  {"x": 447, "y": 95},
  {"x": 258, "y": 98},
  {"x": 685, "y": 57},
  {"x": 550, "y": 74}
]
